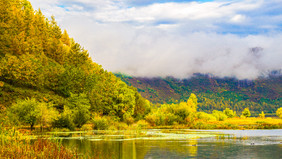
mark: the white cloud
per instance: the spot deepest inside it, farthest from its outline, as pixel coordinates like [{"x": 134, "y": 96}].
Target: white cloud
[
  {"x": 176, "y": 11},
  {"x": 238, "y": 18},
  {"x": 176, "y": 39}
]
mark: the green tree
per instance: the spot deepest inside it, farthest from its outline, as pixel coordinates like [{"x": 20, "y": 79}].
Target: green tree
[
  {"x": 46, "y": 114},
  {"x": 31, "y": 112},
  {"x": 246, "y": 112},
  {"x": 219, "y": 115},
  {"x": 79, "y": 105},
  {"x": 229, "y": 113},
  {"x": 279, "y": 112},
  {"x": 25, "y": 111},
  {"x": 64, "y": 120},
  {"x": 262, "y": 115}
]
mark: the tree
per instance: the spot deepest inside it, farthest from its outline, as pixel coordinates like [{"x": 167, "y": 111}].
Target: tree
[
  {"x": 79, "y": 105},
  {"x": 30, "y": 111},
  {"x": 219, "y": 115},
  {"x": 64, "y": 120},
  {"x": 246, "y": 112},
  {"x": 262, "y": 115},
  {"x": 229, "y": 113},
  {"x": 46, "y": 114},
  {"x": 279, "y": 112}
]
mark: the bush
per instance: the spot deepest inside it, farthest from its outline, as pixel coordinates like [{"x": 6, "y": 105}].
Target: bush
[
  {"x": 64, "y": 120},
  {"x": 262, "y": 115},
  {"x": 100, "y": 123},
  {"x": 142, "y": 124},
  {"x": 31, "y": 112},
  {"x": 205, "y": 116},
  {"x": 128, "y": 119},
  {"x": 161, "y": 118},
  {"x": 170, "y": 119},
  {"x": 220, "y": 116},
  {"x": 246, "y": 112},
  {"x": 79, "y": 105},
  {"x": 121, "y": 126},
  {"x": 229, "y": 113},
  {"x": 279, "y": 112}
]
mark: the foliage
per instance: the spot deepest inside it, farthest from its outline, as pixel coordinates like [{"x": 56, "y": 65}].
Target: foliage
[
  {"x": 64, "y": 120},
  {"x": 205, "y": 116},
  {"x": 182, "y": 113},
  {"x": 246, "y": 112},
  {"x": 262, "y": 115},
  {"x": 40, "y": 62},
  {"x": 79, "y": 105},
  {"x": 279, "y": 112},
  {"x": 213, "y": 93},
  {"x": 229, "y": 113},
  {"x": 30, "y": 111},
  {"x": 219, "y": 115},
  {"x": 100, "y": 123}
]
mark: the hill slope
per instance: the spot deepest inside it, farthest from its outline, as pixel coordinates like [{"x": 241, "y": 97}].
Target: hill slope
[
  {"x": 38, "y": 60},
  {"x": 263, "y": 94}
]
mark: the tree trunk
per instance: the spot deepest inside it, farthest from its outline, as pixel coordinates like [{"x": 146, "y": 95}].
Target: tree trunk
[{"x": 31, "y": 127}]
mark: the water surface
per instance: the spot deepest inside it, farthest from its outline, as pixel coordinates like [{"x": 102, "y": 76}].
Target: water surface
[{"x": 169, "y": 144}]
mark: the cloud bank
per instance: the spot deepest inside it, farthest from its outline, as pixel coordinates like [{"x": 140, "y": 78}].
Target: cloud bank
[{"x": 175, "y": 38}]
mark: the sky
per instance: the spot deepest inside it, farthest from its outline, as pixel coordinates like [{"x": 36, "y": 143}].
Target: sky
[{"x": 152, "y": 38}]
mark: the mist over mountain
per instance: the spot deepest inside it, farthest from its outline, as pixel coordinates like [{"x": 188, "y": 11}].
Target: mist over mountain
[{"x": 157, "y": 54}]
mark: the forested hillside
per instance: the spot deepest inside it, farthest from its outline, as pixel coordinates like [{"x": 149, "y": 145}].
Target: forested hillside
[
  {"x": 40, "y": 63},
  {"x": 263, "y": 94}
]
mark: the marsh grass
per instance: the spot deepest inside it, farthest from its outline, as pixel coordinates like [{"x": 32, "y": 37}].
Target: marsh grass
[{"x": 15, "y": 144}]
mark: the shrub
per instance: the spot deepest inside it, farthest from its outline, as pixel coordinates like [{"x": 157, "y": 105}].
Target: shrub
[
  {"x": 100, "y": 123},
  {"x": 246, "y": 112},
  {"x": 79, "y": 105},
  {"x": 121, "y": 126},
  {"x": 205, "y": 116},
  {"x": 64, "y": 120},
  {"x": 142, "y": 124},
  {"x": 219, "y": 115},
  {"x": 229, "y": 113},
  {"x": 262, "y": 115},
  {"x": 31, "y": 112},
  {"x": 170, "y": 119},
  {"x": 279, "y": 112},
  {"x": 128, "y": 119}
]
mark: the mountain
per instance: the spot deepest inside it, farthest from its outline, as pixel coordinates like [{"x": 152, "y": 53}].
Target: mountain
[{"x": 262, "y": 94}]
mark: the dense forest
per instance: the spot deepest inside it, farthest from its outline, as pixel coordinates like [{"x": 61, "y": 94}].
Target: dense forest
[
  {"x": 41, "y": 64},
  {"x": 262, "y": 94}
]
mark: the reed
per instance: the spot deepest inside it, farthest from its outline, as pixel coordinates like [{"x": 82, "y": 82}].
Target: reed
[{"x": 17, "y": 145}]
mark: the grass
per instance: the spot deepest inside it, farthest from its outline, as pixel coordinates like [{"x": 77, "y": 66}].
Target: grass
[
  {"x": 246, "y": 123},
  {"x": 14, "y": 144},
  {"x": 229, "y": 123}
]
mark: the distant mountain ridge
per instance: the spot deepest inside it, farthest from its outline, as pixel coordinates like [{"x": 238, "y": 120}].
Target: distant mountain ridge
[{"x": 262, "y": 94}]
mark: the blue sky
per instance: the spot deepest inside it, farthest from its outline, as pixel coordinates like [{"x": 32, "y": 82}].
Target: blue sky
[
  {"x": 175, "y": 37},
  {"x": 147, "y": 2}
]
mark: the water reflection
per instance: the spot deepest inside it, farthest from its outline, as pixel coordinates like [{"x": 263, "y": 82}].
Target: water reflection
[
  {"x": 193, "y": 147},
  {"x": 221, "y": 146}
]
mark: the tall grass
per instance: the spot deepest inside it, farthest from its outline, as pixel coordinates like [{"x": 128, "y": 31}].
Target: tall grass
[{"x": 16, "y": 145}]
